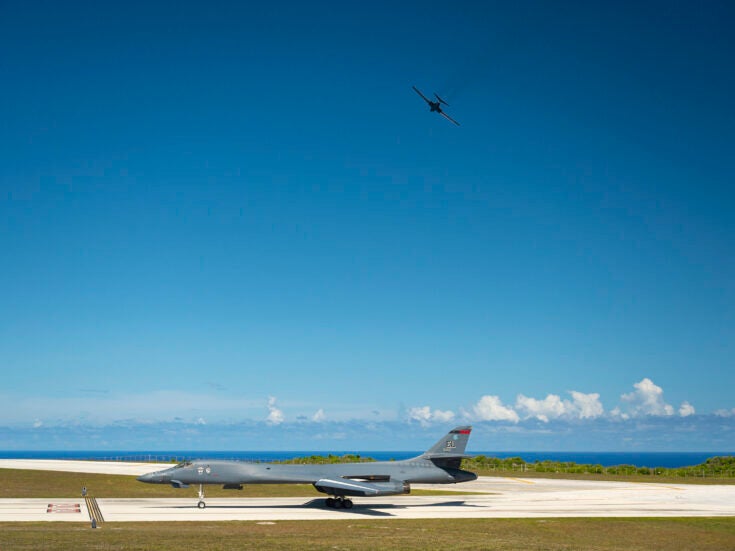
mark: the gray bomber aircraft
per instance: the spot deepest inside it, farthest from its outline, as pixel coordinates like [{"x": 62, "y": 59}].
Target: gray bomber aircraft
[
  {"x": 436, "y": 106},
  {"x": 438, "y": 465}
]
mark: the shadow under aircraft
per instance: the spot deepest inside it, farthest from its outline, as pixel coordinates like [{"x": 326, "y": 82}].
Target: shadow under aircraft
[{"x": 440, "y": 464}]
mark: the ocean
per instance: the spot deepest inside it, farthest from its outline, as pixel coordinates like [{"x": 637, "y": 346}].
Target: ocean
[{"x": 606, "y": 459}]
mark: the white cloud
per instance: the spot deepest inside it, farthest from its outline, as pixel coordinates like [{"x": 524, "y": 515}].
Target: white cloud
[
  {"x": 319, "y": 416},
  {"x": 647, "y": 399},
  {"x": 586, "y": 406},
  {"x": 442, "y": 416},
  {"x": 275, "y": 415},
  {"x": 617, "y": 413},
  {"x": 420, "y": 414},
  {"x": 725, "y": 412},
  {"x": 491, "y": 408},
  {"x": 425, "y": 415},
  {"x": 686, "y": 409},
  {"x": 550, "y": 407},
  {"x": 581, "y": 406},
  {"x": 37, "y": 424}
]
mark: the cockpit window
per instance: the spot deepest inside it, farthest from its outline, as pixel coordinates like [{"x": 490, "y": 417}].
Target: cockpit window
[{"x": 184, "y": 464}]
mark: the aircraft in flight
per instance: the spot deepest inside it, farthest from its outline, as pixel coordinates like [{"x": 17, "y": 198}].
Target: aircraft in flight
[
  {"x": 440, "y": 464},
  {"x": 436, "y": 106}
]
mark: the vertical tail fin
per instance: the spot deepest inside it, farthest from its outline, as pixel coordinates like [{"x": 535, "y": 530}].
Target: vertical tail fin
[{"x": 451, "y": 444}]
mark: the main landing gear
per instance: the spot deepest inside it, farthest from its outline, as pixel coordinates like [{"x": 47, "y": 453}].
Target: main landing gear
[
  {"x": 339, "y": 502},
  {"x": 201, "y": 503}
]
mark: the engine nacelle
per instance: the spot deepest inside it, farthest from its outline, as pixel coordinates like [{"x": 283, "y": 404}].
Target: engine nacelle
[{"x": 392, "y": 488}]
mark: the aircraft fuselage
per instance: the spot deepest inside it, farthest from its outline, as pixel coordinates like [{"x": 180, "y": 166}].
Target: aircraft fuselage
[{"x": 236, "y": 473}]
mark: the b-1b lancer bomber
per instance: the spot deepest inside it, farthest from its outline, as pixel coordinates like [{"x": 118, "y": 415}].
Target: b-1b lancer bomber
[
  {"x": 436, "y": 106},
  {"x": 440, "y": 464}
]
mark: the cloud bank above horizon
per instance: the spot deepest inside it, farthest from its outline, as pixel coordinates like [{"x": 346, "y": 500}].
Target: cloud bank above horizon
[
  {"x": 641, "y": 419},
  {"x": 645, "y": 400}
]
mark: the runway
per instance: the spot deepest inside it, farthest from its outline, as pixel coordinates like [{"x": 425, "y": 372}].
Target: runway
[
  {"x": 501, "y": 498},
  {"x": 73, "y": 466}
]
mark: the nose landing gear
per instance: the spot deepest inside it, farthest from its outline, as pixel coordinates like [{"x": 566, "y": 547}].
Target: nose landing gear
[{"x": 201, "y": 503}]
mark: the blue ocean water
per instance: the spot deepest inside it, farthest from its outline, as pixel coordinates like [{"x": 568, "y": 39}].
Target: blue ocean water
[{"x": 607, "y": 459}]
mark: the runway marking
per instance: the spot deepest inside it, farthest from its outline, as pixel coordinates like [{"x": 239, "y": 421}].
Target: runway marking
[
  {"x": 94, "y": 511},
  {"x": 522, "y": 480},
  {"x": 650, "y": 486},
  {"x": 63, "y": 508}
]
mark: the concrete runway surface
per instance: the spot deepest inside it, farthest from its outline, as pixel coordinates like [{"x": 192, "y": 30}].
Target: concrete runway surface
[{"x": 505, "y": 498}]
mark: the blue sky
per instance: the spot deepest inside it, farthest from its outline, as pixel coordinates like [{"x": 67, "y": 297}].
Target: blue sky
[{"x": 224, "y": 223}]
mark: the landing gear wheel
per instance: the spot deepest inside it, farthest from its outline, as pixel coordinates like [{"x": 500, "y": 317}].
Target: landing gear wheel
[
  {"x": 347, "y": 504},
  {"x": 201, "y": 503},
  {"x": 330, "y": 502}
]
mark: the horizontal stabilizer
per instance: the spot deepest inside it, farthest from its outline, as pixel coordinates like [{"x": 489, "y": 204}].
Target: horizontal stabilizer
[
  {"x": 433, "y": 456},
  {"x": 441, "y": 100},
  {"x": 447, "y": 460}
]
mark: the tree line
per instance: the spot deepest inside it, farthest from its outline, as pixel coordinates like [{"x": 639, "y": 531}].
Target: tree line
[{"x": 716, "y": 467}]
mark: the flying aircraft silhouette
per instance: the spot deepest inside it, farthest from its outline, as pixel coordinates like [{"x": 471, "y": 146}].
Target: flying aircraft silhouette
[{"x": 436, "y": 106}]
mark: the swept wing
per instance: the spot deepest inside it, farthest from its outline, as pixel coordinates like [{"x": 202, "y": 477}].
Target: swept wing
[
  {"x": 427, "y": 100},
  {"x": 443, "y": 114},
  {"x": 349, "y": 487}
]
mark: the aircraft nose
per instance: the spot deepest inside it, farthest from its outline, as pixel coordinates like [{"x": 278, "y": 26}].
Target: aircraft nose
[{"x": 157, "y": 477}]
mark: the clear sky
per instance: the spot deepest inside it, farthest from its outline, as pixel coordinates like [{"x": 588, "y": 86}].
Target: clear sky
[{"x": 234, "y": 225}]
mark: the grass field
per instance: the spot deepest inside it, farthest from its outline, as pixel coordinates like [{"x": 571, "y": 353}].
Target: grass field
[{"x": 506, "y": 534}]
